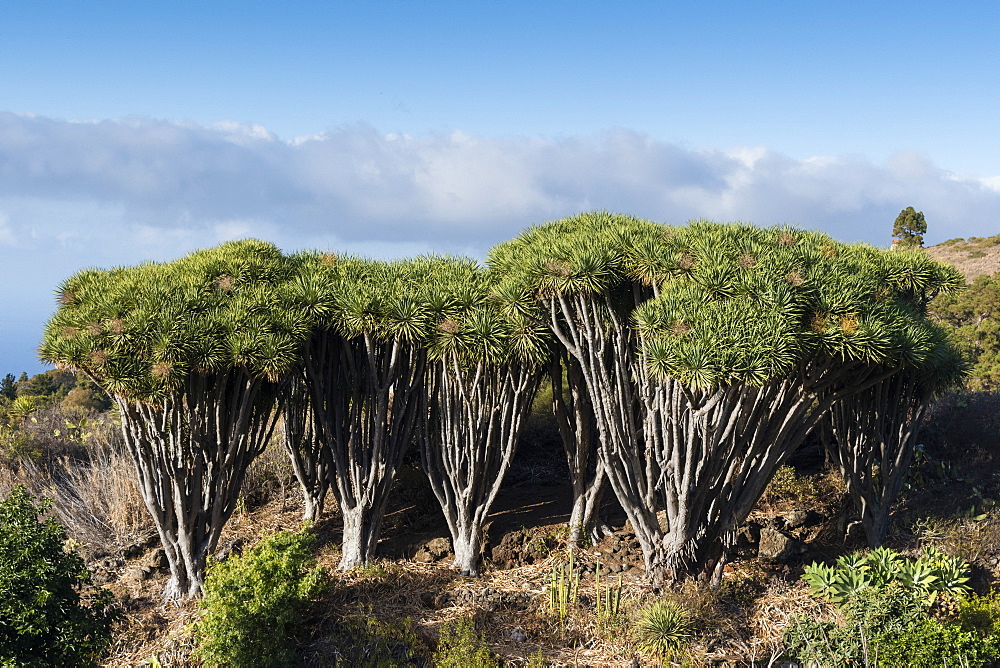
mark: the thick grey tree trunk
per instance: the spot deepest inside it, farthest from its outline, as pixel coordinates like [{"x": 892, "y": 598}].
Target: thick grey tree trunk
[
  {"x": 703, "y": 458},
  {"x": 366, "y": 398},
  {"x": 191, "y": 453},
  {"x": 475, "y": 415},
  {"x": 362, "y": 526}
]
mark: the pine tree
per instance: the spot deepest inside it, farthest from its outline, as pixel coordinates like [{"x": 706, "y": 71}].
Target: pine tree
[{"x": 909, "y": 228}]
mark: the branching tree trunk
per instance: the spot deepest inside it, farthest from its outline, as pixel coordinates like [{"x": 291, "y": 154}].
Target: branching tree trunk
[
  {"x": 475, "y": 417},
  {"x": 578, "y": 431},
  {"x": 875, "y": 432},
  {"x": 716, "y": 450},
  {"x": 191, "y": 453},
  {"x": 701, "y": 457},
  {"x": 305, "y": 449},
  {"x": 367, "y": 399},
  {"x": 596, "y": 334}
]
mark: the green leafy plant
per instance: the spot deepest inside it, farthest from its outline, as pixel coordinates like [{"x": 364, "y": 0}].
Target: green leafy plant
[
  {"x": 981, "y": 613},
  {"x": 889, "y": 626},
  {"x": 664, "y": 628},
  {"x": 462, "y": 646},
  {"x": 974, "y": 319},
  {"x": 928, "y": 575},
  {"x": 255, "y": 603},
  {"x": 44, "y": 619}
]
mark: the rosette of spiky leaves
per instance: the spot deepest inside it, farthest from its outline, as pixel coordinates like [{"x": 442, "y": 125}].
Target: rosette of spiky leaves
[
  {"x": 706, "y": 342},
  {"x": 478, "y": 323},
  {"x": 582, "y": 254},
  {"x": 753, "y": 303},
  {"x": 140, "y": 331},
  {"x": 396, "y": 300}
]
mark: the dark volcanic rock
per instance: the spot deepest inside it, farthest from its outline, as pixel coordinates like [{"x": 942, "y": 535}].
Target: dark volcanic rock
[{"x": 777, "y": 546}]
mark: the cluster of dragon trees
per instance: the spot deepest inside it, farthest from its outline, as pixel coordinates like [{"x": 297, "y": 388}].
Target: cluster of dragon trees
[{"x": 687, "y": 363}]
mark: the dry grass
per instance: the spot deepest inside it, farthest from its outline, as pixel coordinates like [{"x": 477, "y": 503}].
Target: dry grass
[
  {"x": 823, "y": 492},
  {"x": 269, "y": 476},
  {"x": 95, "y": 497},
  {"x": 740, "y": 624},
  {"x": 973, "y": 257},
  {"x": 769, "y": 618}
]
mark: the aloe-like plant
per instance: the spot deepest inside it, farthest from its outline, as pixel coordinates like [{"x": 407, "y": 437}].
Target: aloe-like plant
[
  {"x": 663, "y": 628},
  {"x": 927, "y": 576}
]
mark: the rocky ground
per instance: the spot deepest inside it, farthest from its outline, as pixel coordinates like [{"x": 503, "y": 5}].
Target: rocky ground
[{"x": 398, "y": 604}]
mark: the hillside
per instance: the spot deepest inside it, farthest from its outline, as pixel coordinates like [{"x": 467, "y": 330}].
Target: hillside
[{"x": 974, "y": 256}]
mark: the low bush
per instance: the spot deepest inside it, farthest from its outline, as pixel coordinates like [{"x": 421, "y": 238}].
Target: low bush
[
  {"x": 887, "y": 626},
  {"x": 255, "y": 603},
  {"x": 896, "y": 611},
  {"x": 45, "y": 618},
  {"x": 788, "y": 490},
  {"x": 462, "y": 646},
  {"x": 932, "y": 573}
]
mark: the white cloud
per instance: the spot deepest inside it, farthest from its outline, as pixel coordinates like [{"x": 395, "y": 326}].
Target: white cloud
[
  {"x": 113, "y": 192},
  {"x": 6, "y": 234},
  {"x": 450, "y": 190}
]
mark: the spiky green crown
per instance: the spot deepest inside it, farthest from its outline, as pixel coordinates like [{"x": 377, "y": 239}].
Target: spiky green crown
[
  {"x": 737, "y": 303},
  {"x": 484, "y": 327},
  {"x": 142, "y": 330},
  {"x": 755, "y": 303},
  {"x": 582, "y": 254},
  {"x": 443, "y": 303}
]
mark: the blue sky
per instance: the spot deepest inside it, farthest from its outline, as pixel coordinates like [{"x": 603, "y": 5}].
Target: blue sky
[{"x": 134, "y": 131}]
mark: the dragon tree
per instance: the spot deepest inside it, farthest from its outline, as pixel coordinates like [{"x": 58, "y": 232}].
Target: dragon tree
[
  {"x": 875, "y": 430},
  {"x": 577, "y": 425},
  {"x": 304, "y": 447},
  {"x": 364, "y": 368},
  {"x": 194, "y": 353},
  {"x": 709, "y": 351},
  {"x": 486, "y": 364}
]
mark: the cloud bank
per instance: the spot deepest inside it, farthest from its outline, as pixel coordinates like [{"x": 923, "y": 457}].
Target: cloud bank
[
  {"x": 118, "y": 192},
  {"x": 158, "y": 181}
]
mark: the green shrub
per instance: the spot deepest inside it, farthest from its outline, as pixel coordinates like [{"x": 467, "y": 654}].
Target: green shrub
[
  {"x": 462, "y": 646},
  {"x": 890, "y": 625},
  {"x": 44, "y": 620},
  {"x": 981, "y": 614},
  {"x": 254, "y": 603}
]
